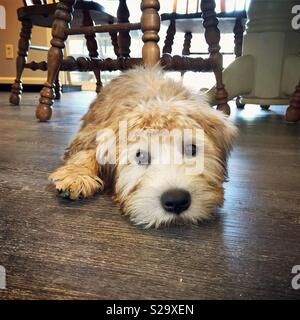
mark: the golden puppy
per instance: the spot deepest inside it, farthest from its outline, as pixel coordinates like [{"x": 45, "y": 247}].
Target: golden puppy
[{"x": 160, "y": 147}]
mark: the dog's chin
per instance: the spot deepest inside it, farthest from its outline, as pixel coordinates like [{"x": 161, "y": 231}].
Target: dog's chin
[
  {"x": 147, "y": 211},
  {"x": 159, "y": 218}
]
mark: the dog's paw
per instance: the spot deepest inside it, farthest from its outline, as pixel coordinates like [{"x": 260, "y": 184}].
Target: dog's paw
[{"x": 75, "y": 186}]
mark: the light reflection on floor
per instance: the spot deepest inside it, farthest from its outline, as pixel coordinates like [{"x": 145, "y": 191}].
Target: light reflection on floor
[{"x": 250, "y": 112}]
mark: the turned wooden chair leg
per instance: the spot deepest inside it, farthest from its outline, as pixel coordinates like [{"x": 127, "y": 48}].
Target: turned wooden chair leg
[
  {"x": 150, "y": 23},
  {"x": 57, "y": 88},
  {"x": 23, "y": 47},
  {"x": 63, "y": 16},
  {"x": 167, "y": 49},
  {"x": 124, "y": 39},
  {"x": 238, "y": 31},
  {"x": 186, "y": 46},
  {"x": 265, "y": 107},
  {"x": 92, "y": 47},
  {"x": 212, "y": 36},
  {"x": 238, "y": 103},
  {"x": 114, "y": 42},
  {"x": 293, "y": 111}
]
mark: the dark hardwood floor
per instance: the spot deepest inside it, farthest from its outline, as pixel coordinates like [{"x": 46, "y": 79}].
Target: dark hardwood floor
[{"x": 53, "y": 248}]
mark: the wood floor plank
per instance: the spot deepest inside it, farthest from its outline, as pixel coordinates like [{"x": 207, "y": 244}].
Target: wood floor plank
[{"x": 57, "y": 249}]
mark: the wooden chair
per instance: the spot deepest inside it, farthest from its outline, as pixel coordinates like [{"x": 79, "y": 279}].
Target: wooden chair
[
  {"x": 150, "y": 26},
  {"x": 61, "y": 29},
  {"x": 42, "y": 13},
  {"x": 205, "y": 22}
]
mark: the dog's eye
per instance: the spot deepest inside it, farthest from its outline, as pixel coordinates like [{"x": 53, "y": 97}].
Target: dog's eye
[
  {"x": 142, "y": 157},
  {"x": 190, "y": 150}
]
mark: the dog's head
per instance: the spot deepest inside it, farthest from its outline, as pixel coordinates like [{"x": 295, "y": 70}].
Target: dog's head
[{"x": 169, "y": 159}]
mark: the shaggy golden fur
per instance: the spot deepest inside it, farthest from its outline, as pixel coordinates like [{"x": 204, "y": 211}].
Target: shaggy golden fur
[{"x": 147, "y": 99}]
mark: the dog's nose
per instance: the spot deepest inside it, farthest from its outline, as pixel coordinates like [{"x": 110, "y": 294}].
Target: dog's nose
[{"x": 176, "y": 200}]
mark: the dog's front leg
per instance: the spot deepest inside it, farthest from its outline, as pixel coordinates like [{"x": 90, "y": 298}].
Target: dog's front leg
[{"x": 79, "y": 176}]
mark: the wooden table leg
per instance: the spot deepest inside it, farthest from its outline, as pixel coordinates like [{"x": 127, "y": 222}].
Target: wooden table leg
[
  {"x": 63, "y": 16},
  {"x": 293, "y": 111},
  {"x": 212, "y": 36},
  {"x": 23, "y": 46},
  {"x": 150, "y": 23}
]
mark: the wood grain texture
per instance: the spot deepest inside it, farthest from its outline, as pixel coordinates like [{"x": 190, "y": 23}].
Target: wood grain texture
[{"x": 54, "y": 248}]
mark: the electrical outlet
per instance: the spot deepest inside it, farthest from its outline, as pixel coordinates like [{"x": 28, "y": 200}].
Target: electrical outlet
[{"x": 9, "y": 51}]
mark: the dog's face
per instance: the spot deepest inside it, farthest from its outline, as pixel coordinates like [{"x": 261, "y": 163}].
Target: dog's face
[
  {"x": 174, "y": 165},
  {"x": 153, "y": 189}
]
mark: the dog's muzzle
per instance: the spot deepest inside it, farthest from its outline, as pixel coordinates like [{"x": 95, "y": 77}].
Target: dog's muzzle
[{"x": 176, "y": 200}]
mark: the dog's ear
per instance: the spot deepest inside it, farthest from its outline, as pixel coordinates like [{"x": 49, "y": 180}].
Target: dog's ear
[
  {"x": 218, "y": 128},
  {"x": 222, "y": 130}
]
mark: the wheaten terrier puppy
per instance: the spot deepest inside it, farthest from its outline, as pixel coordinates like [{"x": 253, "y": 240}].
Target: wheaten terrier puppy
[{"x": 161, "y": 148}]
